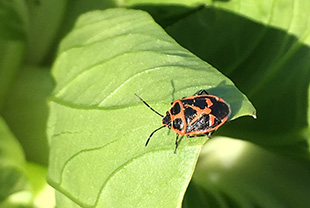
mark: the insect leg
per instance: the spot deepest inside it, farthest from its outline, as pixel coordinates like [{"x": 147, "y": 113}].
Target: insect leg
[
  {"x": 210, "y": 133},
  {"x": 202, "y": 92},
  {"x": 176, "y": 144}
]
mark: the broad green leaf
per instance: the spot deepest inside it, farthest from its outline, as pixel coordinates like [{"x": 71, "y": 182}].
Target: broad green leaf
[
  {"x": 21, "y": 184},
  {"x": 13, "y": 28},
  {"x": 79, "y": 7},
  {"x": 26, "y": 111},
  {"x": 45, "y": 18},
  {"x": 309, "y": 115},
  {"x": 14, "y": 20},
  {"x": 97, "y": 127},
  {"x": 12, "y": 166},
  {"x": 288, "y": 15},
  {"x": 63, "y": 201},
  {"x": 166, "y": 2},
  {"x": 43, "y": 195}
]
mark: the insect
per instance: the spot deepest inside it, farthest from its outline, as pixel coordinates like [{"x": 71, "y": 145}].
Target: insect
[{"x": 197, "y": 115}]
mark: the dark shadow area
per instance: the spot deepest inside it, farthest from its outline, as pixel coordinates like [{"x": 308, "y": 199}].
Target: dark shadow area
[
  {"x": 198, "y": 197},
  {"x": 167, "y": 15}
]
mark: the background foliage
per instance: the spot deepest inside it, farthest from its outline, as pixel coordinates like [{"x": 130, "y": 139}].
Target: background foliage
[{"x": 262, "y": 46}]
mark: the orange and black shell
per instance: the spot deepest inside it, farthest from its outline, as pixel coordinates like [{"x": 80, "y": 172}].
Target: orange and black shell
[{"x": 196, "y": 115}]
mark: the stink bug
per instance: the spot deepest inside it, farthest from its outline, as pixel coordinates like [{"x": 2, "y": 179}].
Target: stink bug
[{"x": 198, "y": 115}]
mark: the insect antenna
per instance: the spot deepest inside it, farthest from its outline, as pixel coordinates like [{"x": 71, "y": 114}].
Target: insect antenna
[
  {"x": 149, "y": 106},
  {"x": 148, "y": 139}
]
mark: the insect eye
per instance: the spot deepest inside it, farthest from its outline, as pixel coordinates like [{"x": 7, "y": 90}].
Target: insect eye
[
  {"x": 176, "y": 109},
  {"x": 167, "y": 120}
]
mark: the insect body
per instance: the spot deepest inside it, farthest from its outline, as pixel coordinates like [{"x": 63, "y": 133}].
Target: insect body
[{"x": 198, "y": 115}]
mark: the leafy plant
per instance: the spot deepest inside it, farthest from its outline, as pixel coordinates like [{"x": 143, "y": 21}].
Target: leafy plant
[{"x": 96, "y": 128}]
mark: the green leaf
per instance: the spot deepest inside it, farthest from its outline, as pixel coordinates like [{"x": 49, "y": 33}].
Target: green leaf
[
  {"x": 13, "y": 30},
  {"x": 21, "y": 184},
  {"x": 79, "y": 7},
  {"x": 308, "y": 116},
  {"x": 97, "y": 127},
  {"x": 45, "y": 17},
  {"x": 166, "y": 2},
  {"x": 14, "y": 19},
  {"x": 26, "y": 111},
  {"x": 12, "y": 165},
  {"x": 42, "y": 194}
]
